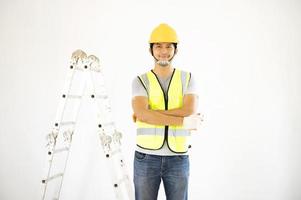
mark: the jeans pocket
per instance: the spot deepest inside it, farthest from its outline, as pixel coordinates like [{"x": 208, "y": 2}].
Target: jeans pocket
[
  {"x": 182, "y": 157},
  {"x": 140, "y": 156}
]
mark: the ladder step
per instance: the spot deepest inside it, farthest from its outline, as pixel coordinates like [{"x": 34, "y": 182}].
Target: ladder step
[
  {"x": 72, "y": 96},
  {"x": 68, "y": 123},
  {"x": 53, "y": 177},
  {"x": 108, "y": 124},
  {"x": 76, "y": 68},
  {"x": 61, "y": 150},
  {"x": 102, "y": 96},
  {"x": 99, "y": 96}
]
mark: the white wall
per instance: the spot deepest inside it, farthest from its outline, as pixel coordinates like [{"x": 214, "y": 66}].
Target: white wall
[{"x": 245, "y": 56}]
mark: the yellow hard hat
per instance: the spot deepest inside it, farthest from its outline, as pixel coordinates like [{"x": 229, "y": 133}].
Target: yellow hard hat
[{"x": 163, "y": 33}]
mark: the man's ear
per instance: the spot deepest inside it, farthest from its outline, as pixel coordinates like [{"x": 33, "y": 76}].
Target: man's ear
[
  {"x": 151, "y": 51},
  {"x": 176, "y": 51}
]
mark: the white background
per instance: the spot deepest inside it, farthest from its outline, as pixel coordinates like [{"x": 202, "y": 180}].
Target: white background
[{"x": 245, "y": 56}]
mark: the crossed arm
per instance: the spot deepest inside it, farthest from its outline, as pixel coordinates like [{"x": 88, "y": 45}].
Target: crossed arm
[{"x": 163, "y": 117}]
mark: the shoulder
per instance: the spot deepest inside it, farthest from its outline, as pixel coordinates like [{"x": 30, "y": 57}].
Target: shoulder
[
  {"x": 141, "y": 79},
  {"x": 139, "y": 76},
  {"x": 185, "y": 76},
  {"x": 184, "y": 72}
]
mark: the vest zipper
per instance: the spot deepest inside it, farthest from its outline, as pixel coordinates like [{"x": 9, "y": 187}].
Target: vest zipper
[{"x": 165, "y": 104}]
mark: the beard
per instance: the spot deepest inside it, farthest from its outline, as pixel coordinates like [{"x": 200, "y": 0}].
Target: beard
[{"x": 163, "y": 63}]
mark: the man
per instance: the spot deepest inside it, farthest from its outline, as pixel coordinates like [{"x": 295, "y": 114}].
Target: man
[{"x": 164, "y": 104}]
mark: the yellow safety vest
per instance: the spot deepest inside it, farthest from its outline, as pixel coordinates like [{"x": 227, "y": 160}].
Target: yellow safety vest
[{"x": 153, "y": 136}]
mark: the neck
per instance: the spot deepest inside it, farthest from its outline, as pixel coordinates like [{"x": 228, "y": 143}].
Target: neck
[{"x": 163, "y": 71}]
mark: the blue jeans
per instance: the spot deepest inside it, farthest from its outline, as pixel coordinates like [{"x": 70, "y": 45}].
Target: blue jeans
[{"x": 150, "y": 169}]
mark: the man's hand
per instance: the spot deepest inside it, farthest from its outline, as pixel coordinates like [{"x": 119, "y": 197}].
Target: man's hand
[{"x": 193, "y": 122}]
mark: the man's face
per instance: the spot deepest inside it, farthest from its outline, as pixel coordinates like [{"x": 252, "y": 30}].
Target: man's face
[{"x": 163, "y": 51}]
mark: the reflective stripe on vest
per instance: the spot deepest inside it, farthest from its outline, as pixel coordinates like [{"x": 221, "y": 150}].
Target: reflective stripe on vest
[{"x": 152, "y": 136}]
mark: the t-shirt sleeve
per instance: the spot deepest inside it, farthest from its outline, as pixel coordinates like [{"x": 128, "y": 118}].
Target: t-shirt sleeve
[
  {"x": 137, "y": 88},
  {"x": 192, "y": 86}
]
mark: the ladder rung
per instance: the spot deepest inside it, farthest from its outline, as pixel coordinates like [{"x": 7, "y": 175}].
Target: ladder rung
[
  {"x": 102, "y": 96},
  {"x": 72, "y": 96},
  {"x": 53, "y": 177},
  {"x": 61, "y": 150},
  {"x": 68, "y": 123},
  {"x": 108, "y": 124},
  {"x": 78, "y": 68}
]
